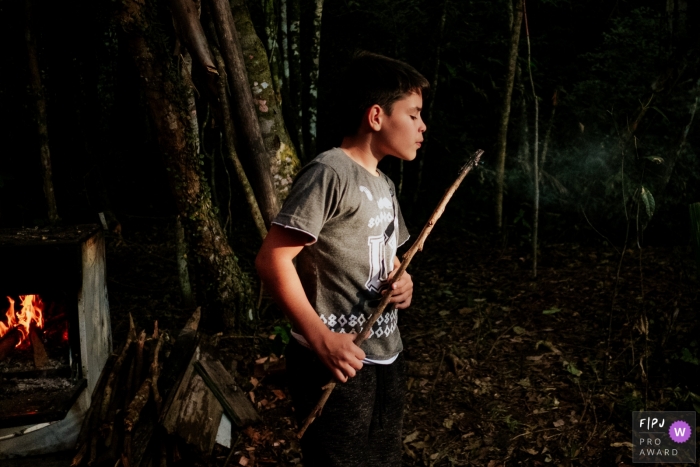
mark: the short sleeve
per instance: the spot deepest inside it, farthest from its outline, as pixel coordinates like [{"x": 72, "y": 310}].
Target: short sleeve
[{"x": 313, "y": 200}]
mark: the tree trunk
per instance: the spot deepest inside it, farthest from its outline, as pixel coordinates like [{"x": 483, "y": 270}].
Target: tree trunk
[
  {"x": 182, "y": 269},
  {"x": 38, "y": 102},
  {"x": 311, "y": 90},
  {"x": 284, "y": 161},
  {"x": 189, "y": 30},
  {"x": 429, "y": 113},
  {"x": 228, "y": 134},
  {"x": 505, "y": 113},
  {"x": 548, "y": 133},
  {"x": 221, "y": 287},
  {"x": 535, "y": 156},
  {"x": 273, "y": 44},
  {"x": 295, "y": 81},
  {"x": 284, "y": 43},
  {"x": 252, "y": 150}
]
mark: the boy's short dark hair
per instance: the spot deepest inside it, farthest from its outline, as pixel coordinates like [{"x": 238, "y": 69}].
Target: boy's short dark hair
[{"x": 371, "y": 79}]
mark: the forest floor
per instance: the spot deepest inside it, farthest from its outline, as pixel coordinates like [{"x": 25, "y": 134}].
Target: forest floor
[{"x": 503, "y": 369}]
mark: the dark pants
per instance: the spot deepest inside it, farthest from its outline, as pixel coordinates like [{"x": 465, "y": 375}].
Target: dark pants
[{"x": 360, "y": 425}]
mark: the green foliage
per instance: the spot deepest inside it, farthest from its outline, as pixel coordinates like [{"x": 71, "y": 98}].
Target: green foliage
[
  {"x": 687, "y": 356},
  {"x": 551, "y": 311},
  {"x": 283, "y": 335}
]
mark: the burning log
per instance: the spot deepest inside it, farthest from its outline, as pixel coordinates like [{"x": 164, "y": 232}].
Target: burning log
[
  {"x": 40, "y": 357},
  {"x": 8, "y": 342}
]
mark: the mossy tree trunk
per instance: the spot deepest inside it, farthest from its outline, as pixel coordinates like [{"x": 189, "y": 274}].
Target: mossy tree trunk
[
  {"x": 251, "y": 147},
  {"x": 284, "y": 162},
  {"x": 222, "y": 288},
  {"x": 311, "y": 84},
  {"x": 295, "y": 81}
]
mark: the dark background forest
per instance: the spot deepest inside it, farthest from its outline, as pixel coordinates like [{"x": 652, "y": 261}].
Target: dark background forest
[{"x": 604, "y": 99}]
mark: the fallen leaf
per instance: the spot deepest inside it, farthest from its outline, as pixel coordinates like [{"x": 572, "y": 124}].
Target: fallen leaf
[
  {"x": 251, "y": 394},
  {"x": 412, "y": 437},
  {"x": 261, "y": 360},
  {"x": 279, "y": 394},
  {"x": 551, "y": 311},
  {"x": 532, "y": 452},
  {"x": 558, "y": 423},
  {"x": 518, "y": 330},
  {"x": 254, "y": 381},
  {"x": 243, "y": 461},
  {"x": 549, "y": 345},
  {"x": 534, "y": 358},
  {"x": 624, "y": 444}
]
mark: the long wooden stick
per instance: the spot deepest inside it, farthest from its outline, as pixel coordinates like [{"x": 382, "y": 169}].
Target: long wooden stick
[{"x": 415, "y": 248}]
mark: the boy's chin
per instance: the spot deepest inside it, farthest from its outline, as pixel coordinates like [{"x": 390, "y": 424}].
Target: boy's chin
[{"x": 406, "y": 157}]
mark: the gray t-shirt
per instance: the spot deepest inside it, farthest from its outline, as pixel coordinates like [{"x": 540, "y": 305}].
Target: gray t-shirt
[{"x": 356, "y": 224}]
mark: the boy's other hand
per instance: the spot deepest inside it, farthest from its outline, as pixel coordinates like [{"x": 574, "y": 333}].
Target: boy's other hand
[
  {"x": 401, "y": 291},
  {"x": 339, "y": 353}
]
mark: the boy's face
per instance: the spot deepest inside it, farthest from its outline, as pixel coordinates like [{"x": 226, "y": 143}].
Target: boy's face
[{"x": 401, "y": 133}]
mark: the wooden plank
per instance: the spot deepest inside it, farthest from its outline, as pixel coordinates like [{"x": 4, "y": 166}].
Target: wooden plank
[
  {"x": 177, "y": 363},
  {"x": 93, "y": 310},
  {"x": 193, "y": 412},
  {"x": 221, "y": 383}
]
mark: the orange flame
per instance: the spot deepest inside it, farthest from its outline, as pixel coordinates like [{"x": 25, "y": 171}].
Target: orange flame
[{"x": 32, "y": 311}]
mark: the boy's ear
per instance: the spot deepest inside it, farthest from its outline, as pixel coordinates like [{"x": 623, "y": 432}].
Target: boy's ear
[{"x": 374, "y": 117}]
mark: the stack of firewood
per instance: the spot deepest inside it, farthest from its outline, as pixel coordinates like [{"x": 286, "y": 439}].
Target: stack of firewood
[
  {"x": 142, "y": 408},
  {"x": 128, "y": 382}
]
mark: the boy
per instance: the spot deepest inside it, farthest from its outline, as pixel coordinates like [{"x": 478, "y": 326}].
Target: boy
[{"x": 343, "y": 224}]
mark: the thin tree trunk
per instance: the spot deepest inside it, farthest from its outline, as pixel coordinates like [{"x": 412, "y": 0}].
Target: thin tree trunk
[
  {"x": 256, "y": 160},
  {"x": 38, "y": 102},
  {"x": 284, "y": 161},
  {"x": 431, "y": 104},
  {"x": 183, "y": 273},
  {"x": 311, "y": 119},
  {"x": 505, "y": 113},
  {"x": 284, "y": 34},
  {"x": 670, "y": 161},
  {"x": 295, "y": 81},
  {"x": 524, "y": 156},
  {"x": 273, "y": 49},
  {"x": 221, "y": 286},
  {"x": 189, "y": 30},
  {"x": 535, "y": 156},
  {"x": 228, "y": 134},
  {"x": 548, "y": 133}
]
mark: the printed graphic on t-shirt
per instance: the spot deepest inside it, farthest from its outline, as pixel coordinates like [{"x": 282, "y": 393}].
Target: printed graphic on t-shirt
[
  {"x": 354, "y": 324},
  {"x": 382, "y": 248}
]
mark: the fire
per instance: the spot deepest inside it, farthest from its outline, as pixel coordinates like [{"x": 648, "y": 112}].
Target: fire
[{"x": 32, "y": 310}]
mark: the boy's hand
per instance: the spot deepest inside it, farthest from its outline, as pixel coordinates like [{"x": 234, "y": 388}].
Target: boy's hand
[
  {"x": 339, "y": 353},
  {"x": 401, "y": 291}
]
